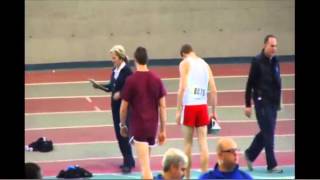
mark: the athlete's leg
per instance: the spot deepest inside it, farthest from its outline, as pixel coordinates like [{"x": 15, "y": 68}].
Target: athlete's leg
[
  {"x": 204, "y": 152},
  {"x": 143, "y": 154},
  {"x": 188, "y": 137}
]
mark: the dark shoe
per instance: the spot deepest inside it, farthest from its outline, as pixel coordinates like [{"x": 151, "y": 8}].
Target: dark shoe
[
  {"x": 133, "y": 165},
  {"x": 275, "y": 170},
  {"x": 249, "y": 163},
  {"x": 122, "y": 165},
  {"x": 126, "y": 170}
]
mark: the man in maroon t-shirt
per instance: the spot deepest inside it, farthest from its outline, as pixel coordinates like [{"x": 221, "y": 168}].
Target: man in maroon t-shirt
[{"x": 145, "y": 94}]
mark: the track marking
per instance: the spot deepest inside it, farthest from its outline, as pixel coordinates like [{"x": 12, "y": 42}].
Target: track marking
[
  {"x": 163, "y": 79},
  {"x": 97, "y": 109},
  {"x": 106, "y": 96},
  {"x": 168, "y": 139},
  {"x": 108, "y": 111},
  {"x": 88, "y": 99},
  {"x": 120, "y": 157},
  {"x": 170, "y": 124}
]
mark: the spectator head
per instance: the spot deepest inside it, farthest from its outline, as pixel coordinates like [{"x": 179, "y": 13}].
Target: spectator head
[
  {"x": 227, "y": 154},
  {"x": 174, "y": 164},
  {"x": 32, "y": 171}
]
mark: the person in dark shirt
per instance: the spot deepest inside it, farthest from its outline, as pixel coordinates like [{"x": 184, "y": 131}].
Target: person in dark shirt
[
  {"x": 120, "y": 73},
  {"x": 145, "y": 94},
  {"x": 264, "y": 83},
  {"x": 227, "y": 166}
]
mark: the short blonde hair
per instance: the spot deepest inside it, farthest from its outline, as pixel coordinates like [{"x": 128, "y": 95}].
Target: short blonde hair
[
  {"x": 173, "y": 156},
  {"x": 119, "y": 50}
]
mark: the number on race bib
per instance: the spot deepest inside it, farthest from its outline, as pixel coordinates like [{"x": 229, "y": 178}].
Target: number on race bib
[{"x": 199, "y": 91}]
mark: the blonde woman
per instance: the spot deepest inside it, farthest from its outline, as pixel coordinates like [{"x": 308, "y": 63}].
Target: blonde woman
[{"x": 118, "y": 77}]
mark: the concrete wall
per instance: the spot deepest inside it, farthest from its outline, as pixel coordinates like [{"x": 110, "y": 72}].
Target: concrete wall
[{"x": 83, "y": 30}]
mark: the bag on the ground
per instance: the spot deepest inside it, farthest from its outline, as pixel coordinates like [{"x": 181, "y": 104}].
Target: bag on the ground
[
  {"x": 42, "y": 145},
  {"x": 74, "y": 172}
]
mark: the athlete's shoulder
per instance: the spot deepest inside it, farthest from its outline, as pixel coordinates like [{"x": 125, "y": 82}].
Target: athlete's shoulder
[
  {"x": 132, "y": 77},
  {"x": 203, "y": 61},
  {"x": 154, "y": 75},
  {"x": 185, "y": 63},
  {"x": 185, "y": 60}
]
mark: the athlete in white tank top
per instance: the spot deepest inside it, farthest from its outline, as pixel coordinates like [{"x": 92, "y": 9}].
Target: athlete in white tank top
[
  {"x": 195, "y": 78},
  {"x": 197, "y": 82}
]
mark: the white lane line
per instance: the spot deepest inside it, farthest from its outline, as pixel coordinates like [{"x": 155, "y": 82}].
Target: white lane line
[
  {"x": 169, "y": 124},
  {"x": 164, "y": 79},
  {"x": 106, "y": 96},
  {"x": 65, "y": 112},
  {"x": 120, "y": 157},
  {"x": 97, "y": 109},
  {"x": 62, "y": 83},
  {"x": 237, "y": 90},
  {"x": 68, "y": 97},
  {"x": 245, "y": 76},
  {"x": 168, "y": 139},
  {"x": 88, "y": 99},
  {"x": 108, "y": 111}
]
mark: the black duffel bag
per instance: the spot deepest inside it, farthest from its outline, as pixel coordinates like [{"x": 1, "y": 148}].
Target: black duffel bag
[
  {"x": 41, "y": 145},
  {"x": 74, "y": 172}
]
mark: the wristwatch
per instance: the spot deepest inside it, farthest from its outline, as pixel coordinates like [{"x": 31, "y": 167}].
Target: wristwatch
[{"x": 122, "y": 126}]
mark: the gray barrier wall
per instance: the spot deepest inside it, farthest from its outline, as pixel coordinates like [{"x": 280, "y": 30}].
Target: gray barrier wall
[{"x": 83, "y": 30}]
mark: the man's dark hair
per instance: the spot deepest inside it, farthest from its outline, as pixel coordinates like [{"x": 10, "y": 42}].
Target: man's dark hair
[
  {"x": 267, "y": 38},
  {"x": 141, "y": 55},
  {"x": 186, "y": 48},
  {"x": 32, "y": 171}
]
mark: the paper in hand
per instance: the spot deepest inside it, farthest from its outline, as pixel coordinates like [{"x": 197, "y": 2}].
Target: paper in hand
[{"x": 98, "y": 85}]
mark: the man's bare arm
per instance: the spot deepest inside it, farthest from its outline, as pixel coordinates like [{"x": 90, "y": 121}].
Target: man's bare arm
[{"x": 213, "y": 92}]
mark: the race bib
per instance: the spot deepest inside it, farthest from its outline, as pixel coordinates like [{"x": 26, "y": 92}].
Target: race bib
[{"x": 197, "y": 92}]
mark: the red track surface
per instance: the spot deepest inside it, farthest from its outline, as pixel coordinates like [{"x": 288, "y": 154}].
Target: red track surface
[
  {"x": 103, "y": 74},
  {"x": 107, "y": 133},
  {"x": 81, "y": 104},
  {"x": 173, "y": 131}
]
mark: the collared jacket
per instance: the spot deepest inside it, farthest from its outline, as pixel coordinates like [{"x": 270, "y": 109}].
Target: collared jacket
[
  {"x": 264, "y": 81},
  {"x": 117, "y": 84},
  {"x": 236, "y": 173}
]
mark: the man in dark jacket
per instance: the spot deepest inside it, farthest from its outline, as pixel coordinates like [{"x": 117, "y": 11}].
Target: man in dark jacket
[{"x": 264, "y": 83}]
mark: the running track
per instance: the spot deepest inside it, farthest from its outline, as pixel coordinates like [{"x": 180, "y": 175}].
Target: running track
[
  {"x": 107, "y": 134},
  {"x": 102, "y": 74},
  {"x": 86, "y": 134}
]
